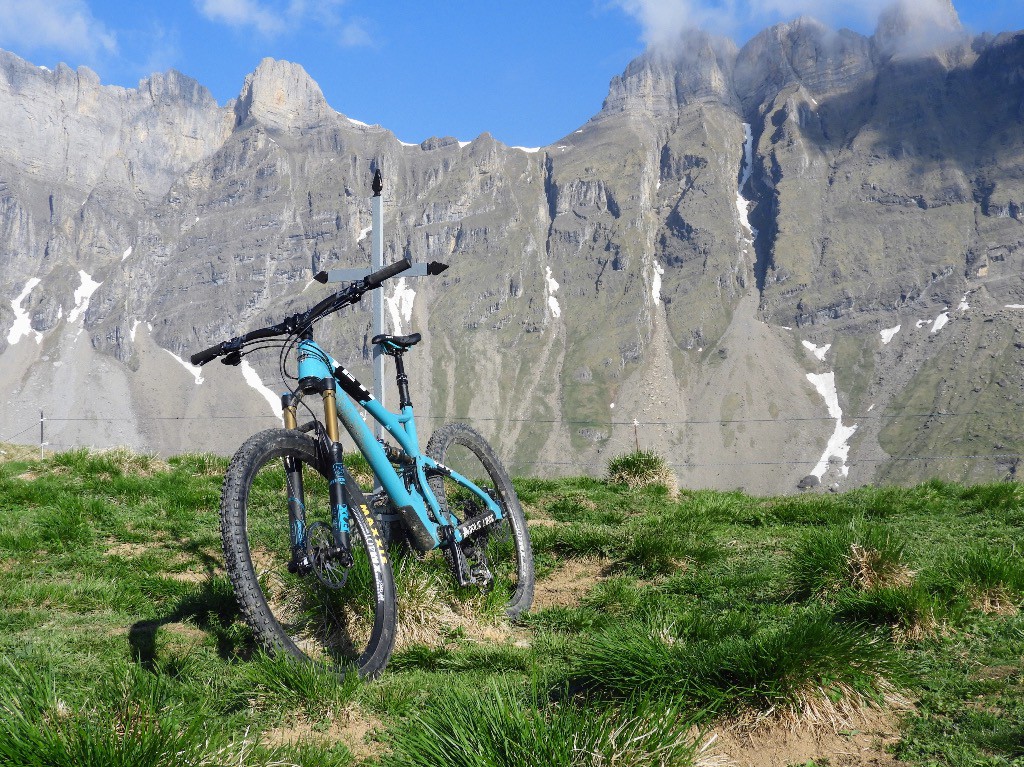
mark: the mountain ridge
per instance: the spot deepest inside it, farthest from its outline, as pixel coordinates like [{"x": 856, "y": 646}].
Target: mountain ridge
[{"x": 612, "y": 275}]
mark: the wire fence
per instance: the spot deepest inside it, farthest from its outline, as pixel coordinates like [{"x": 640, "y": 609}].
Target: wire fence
[{"x": 608, "y": 444}]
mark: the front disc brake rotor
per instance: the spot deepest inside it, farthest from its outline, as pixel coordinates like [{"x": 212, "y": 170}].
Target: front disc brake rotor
[{"x": 324, "y": 557}]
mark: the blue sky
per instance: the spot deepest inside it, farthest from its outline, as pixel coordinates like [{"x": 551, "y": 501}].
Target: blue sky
[{"x": 528, "y": 72}]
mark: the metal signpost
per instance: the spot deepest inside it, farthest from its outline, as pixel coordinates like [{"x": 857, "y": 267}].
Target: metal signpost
[{"x": 376, "y": 262}]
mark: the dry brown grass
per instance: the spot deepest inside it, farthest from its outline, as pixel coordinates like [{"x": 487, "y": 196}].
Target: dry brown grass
[
  {"x": 11, "y": 452},
  {"x": 352, "y": 725},
  {"x": 847, "y": 729},
  {"x": 130, "y": 462},
  {"x": 870, "y": 569},
  {"x": 428, "y": 613},
  {"x": 996, "y": 601},
  {"x": 566, "y": 586}
]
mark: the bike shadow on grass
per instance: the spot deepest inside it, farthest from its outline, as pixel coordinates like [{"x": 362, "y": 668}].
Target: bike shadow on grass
[{"x": 209, "y": 607}]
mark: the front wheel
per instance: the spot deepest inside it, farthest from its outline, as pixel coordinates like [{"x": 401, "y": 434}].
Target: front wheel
[
  {"x": 501, "y": 550},
  {"x": 330, "y": 611}
]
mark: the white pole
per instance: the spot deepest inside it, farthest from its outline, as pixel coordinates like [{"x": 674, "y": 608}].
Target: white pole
[{"x": 377, "y": 262}]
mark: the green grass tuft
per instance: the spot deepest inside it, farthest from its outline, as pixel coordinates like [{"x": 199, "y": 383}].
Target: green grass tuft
[
  {"x": 281, "y": 683},
  {"x": 859, "y": 555},
  {"x": 991, "y": 577},
  {"x": 719, "y": 671},
  {"x": 642, "y": 468},
  {"x": 501, "y": 725}
]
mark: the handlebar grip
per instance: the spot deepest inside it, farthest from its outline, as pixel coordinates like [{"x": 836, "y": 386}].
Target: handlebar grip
[
  {"x": 374, "y": 280},
  {"x": 201, "y": 358}
]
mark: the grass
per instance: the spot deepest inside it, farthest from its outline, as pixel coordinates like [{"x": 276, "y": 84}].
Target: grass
[
  {"x": 640, "y": 469},
  {"x": 123, "y": 644},
  {"x": 858, "y": 555},
  {"x": 706, "y": 665},
  {"x": 516, "y": 724}
]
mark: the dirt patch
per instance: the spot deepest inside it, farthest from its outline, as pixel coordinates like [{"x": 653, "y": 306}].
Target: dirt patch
[
  {"x": 567, "y": 585},
  {"x": 189, "y": 576},
  {"x": 539, "y": 522},
  {"x": 352, "y": 726},
  {"x": 127, "y": 550},
  {"x": 862, "y": 743},
  {"x": 996, "y": 673}
]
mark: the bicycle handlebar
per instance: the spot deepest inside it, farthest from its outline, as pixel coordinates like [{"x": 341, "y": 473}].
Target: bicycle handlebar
[
  {"x": 374, "y": 280},
  {"x": 297, "y": 322},
  {"x": 207, "y": 355}
]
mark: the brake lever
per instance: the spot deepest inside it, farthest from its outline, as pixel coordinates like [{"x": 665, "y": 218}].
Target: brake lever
[{"x": 232, "y": 352}]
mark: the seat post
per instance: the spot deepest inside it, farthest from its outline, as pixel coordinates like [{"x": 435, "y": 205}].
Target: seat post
[{"x": 403, "y": 382}]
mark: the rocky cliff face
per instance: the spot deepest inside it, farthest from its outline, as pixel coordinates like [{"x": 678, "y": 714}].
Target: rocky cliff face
[{"x": 723, "y": 254}]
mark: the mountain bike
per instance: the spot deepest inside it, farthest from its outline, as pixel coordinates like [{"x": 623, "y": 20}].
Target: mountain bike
[{"x": 307, "y": 551}]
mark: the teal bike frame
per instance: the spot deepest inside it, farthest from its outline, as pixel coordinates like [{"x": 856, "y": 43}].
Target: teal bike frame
[{"x": 410, "y": 493}]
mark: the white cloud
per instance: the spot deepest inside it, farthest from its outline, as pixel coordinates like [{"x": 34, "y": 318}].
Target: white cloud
[
  {"x": 353, "y": 35},
  {"x": 65, "y": 26},
  {"x": 663, "y": 20},
  {"x": 243, "y": 13},
  {"x": 275, "y": 17}
]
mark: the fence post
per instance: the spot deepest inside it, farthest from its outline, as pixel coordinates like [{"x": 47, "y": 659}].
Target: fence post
[{"x": 41, "y": 435}]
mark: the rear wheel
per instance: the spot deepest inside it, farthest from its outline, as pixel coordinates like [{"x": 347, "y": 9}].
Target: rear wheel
[
  {"x": 501, "y": 551},
  {"x": 297, "y": 599}
]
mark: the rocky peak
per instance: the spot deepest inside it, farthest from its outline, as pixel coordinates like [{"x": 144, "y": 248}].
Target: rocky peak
[
  {"x": 803, "y": 51},
  {"x": 174, "y": 88},
  {"x": 696, "y": 67},
  {"x": 281, "y": 95},
  {"x": 914, "y": 27}
]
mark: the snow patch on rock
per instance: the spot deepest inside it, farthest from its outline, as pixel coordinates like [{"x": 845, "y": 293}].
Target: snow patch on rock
[
  {"x": 195, "y": 370},
  {"x": 839, "y": 443},
  {"x": 82, "y": 296},
  {"x": 940, "y": 322},
  {"x": 552, "y": 287},
  {"x": 888, "y": 334},
  {"x": 253, "y": 379},
  {"x": 128, "y": 251},
  {"x": 817, "y": 351},
  {"x": 659, "y": 271},
  {"x": 742, "y": 204},
  {"x": 22, "y": 321},
  {"x": 399, "y": 305}
]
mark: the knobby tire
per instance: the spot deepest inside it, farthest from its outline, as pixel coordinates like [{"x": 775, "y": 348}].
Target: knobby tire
[
  {"x": 455, "y": 444},
  {"x": 294, "y": 613}
]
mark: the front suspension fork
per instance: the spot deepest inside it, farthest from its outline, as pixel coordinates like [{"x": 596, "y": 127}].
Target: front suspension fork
[{"x": 336, "y": 482}]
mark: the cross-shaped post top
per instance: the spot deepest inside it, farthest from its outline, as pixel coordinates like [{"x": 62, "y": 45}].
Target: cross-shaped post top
[
  {"x": 419, "y": 269},
  {"x": 353, "y": 274}
]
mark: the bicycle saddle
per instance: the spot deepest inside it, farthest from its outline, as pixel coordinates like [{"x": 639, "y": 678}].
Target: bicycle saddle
[{"x": 399, "y": 344}]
